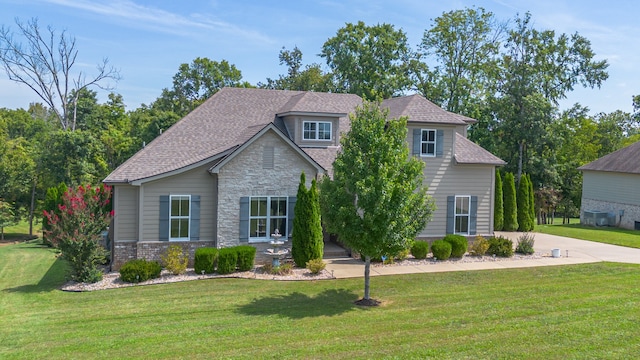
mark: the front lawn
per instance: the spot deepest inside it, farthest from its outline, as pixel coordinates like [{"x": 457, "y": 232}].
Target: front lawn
[
  {"x": 582, "y": 311},
  {"x": 608, "y": 235}
]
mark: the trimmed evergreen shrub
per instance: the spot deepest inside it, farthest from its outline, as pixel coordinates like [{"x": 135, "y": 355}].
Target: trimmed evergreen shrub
[
  {"x": 441, "y": 250},
  {"x": 500, "y": 246},
  {"x": 307, "y": 240},
  {"x": 420, "y": 249},
  {"x": 246, "y": 257},
  {"x": 205, "y": 259},
  {"x": 479, "y": 247},
  {"x": 525, "y": 244},
  {"x": 525, "y": 222},
  {"x": 458, "y": 243},
  {"x": 138, "y": 270},
  {"x": 227, "y": 260},
  {"x": 175, "y": 260},
  {"x": 498, "y": 210},
  {"x": 510, "y": 207}
]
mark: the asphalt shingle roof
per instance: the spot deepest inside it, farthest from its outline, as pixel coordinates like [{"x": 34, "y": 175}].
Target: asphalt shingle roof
[
  {"x": 419, "y": 109},
  {"x": 625, "y": 160},
  {"x": 468, "y": 152},
  {"x": 234, "y": 115}
]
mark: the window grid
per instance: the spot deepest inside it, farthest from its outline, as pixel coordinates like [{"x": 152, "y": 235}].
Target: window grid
[
  {"x": 266, "y": 214},
  {"x": 179, "y": 217},
  {"x": 428, "y": 143},
  {"x": 462, "y": 214},
  {"x": 316, "y": 130}
]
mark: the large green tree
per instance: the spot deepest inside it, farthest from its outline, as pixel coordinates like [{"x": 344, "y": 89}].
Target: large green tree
[
  {"x": 376, "y": 202},
  {"x": 369, "y": 61},
  {"x": 196, "y": 82},
  {"x": 537, "y": 70},
  {"x": 464, "y": 46}
]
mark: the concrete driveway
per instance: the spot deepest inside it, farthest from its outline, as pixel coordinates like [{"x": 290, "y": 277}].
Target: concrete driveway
[{"x": 572, "y": 251}]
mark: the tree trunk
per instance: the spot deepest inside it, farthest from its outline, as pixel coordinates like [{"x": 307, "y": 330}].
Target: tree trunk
[
  {"x": 520, "y": 155},
  {"x": 367, "y": 269},
  {"x": 1, "y": 233},
  {"x": 31, "y": 207}
]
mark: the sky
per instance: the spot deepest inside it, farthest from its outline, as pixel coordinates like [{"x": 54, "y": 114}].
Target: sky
[{"x": 148, "y": 40}]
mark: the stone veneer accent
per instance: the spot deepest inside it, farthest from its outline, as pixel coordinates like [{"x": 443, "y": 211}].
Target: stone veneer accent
[
  {"x": 631, "y": 212},
  {"x": 152, "y": 250},
  {"x": 244, "y": 175}
]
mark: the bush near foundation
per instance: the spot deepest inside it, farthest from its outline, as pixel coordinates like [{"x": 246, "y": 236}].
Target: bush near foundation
[
  {"x": 479, "y": 247},
  {"x": 205, "y": 260},
  {"x": 458, "y": 243},
  {"x": 175, "y": 260},
  {"x": 420, "y": 249},
  {"x": 441, "y": 250},
  {"x": 227, "y": 260},
  {"x": 139, "y": 270},
  {"x": 500, "y": 246},
  {"x": 246, "y": 257}
]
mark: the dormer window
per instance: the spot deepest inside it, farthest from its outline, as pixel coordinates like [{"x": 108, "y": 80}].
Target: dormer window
[
  {"x": 428, "y": 143},
  {"x": 316, "y": 130}
]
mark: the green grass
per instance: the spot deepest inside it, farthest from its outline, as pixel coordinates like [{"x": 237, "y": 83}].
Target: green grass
[
  {"x": 558, "y": 312},
  {"x": 608, "y": 235},
  {"x": 20, "y": 231}
]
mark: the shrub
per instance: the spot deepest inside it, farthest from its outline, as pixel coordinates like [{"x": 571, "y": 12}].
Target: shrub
[
  {"x": 525, "y": 244},
  {"x": 500, "y": 246},
  {"x": 283, "y": 269},
  {"x": 227, "y": 260},
  {"x": 140, "y": 270},
  {"x": 479, "y": 247},
  {"x": 441, "y": 249},
  {"x": 205, "y": 259},
  {"x": 307, "y": 240},
  {"x": 402, "y": 255},
  {"x": 76, "y": 229},
  {"x": 175, "y": 260},
  {"x": 246, "y": 257},
  {"x": 420, "y": 249},
  {"x": 316, "y": 265},
  {"x": 458, "y": 243},
  {"x": 510, "y": 205}
]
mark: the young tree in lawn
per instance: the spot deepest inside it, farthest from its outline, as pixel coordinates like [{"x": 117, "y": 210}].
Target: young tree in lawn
[
  {"x": 498, "y": 204},
  {"x": 77, "y": 229},
  {"x": 306, "y": 242},
  {"x": 510, "y": 206},
  {"x": 376, "y": 202}
]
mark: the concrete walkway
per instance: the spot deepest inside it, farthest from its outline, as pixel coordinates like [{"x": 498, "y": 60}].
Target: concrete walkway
[{"x": 572, "y": 251}]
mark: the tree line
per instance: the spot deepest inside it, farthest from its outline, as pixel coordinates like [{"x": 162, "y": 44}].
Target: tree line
[{"x": 507, "y": 74}]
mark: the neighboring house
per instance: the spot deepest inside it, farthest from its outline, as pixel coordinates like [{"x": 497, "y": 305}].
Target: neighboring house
[
  {"x": 228, "y": 172},
  {"x": 611, "y": 185}
]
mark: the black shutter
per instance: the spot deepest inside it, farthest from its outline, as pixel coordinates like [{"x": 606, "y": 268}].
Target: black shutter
[
  {"x": 451, "y": 208},
  {"x": 195, "y": 218},
  {"x": 244, "y": 219},
  {"x": 290, "y": 214},
  {"x": 164, "y": 218},
  {"x": 439, "y": 143},
  {"x": 473, "y": 215},
  {"x": 417, "y": 137}
]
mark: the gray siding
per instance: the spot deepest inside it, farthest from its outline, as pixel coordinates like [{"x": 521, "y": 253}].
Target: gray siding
[
  {"x": 125, "y": 212},
  {"x": 245, "y": 176},
  {"x": 611, "y": 187},
  {"x": 444, "y": 177},
  {"x": 194, "y": 182},
  {"x": 294, "y": 126}
]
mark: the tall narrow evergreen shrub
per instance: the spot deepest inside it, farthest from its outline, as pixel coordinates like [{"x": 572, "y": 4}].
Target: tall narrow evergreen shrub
[
  {"x": 510, "y": 206},
  {"x": 498, "y": 209},
  {"x": 524, "y": 212},
  {"x": 532, "y": 202},
  {"x": 306, "y": 242}
]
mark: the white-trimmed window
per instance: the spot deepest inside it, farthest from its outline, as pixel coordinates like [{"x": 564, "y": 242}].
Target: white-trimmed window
[
  {"x": 462, "y": 214},
  {"x": 266, "y": 214},
  {"x": 179, "y": 217},
  {"x": 428, "y": 142},
  {"x": 316, "y": 130}
]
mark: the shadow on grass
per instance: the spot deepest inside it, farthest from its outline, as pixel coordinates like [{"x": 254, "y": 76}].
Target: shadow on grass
[
  {"x": 52, "y": 279},
  {"x": 297, "y": 305}
]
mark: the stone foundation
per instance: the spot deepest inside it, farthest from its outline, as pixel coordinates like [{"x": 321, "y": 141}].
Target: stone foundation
[
  {"x": 628, "y": 219},
  {"x": 124, "y": 251}
]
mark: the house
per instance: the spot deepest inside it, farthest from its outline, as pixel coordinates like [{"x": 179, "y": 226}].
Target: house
[
  {"x": 611, "y": 189},
  {"x": 228, "y": 172}
]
